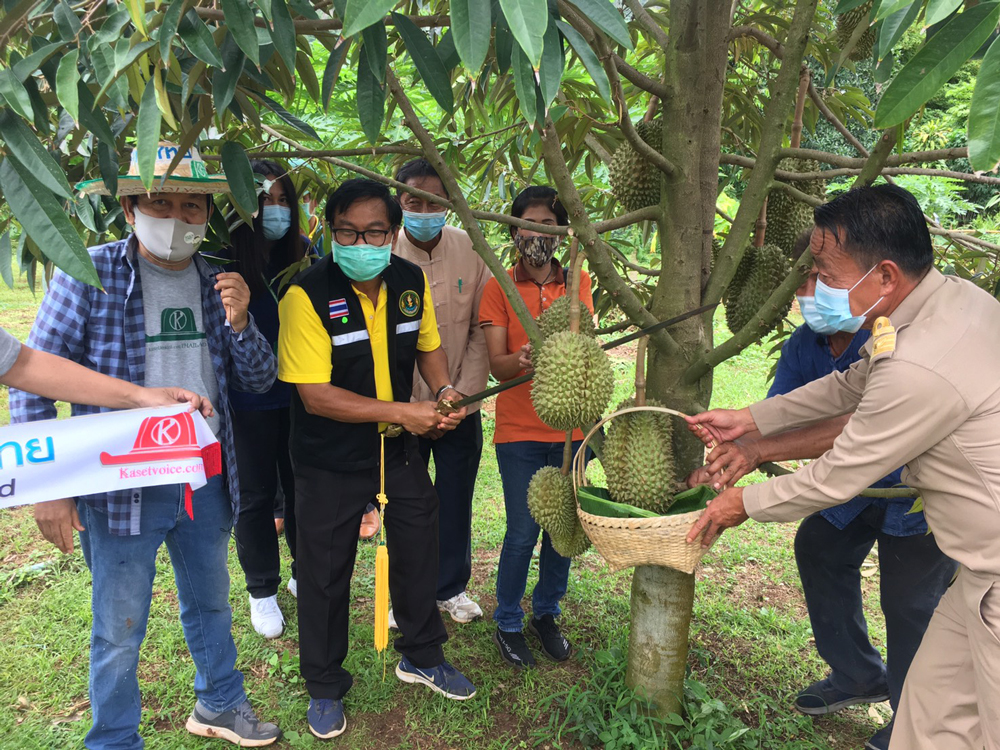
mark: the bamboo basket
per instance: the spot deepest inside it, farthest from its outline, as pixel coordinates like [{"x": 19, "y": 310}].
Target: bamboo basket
[{"x": 625, "y": 542}]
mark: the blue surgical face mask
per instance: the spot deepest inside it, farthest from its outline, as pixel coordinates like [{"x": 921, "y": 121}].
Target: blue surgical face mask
[
  {"x": 362, "y": 262},
  {"x": 807, "y": 305},
  {"x": 424, "y": 227},
  {"x": 833, "y": 306},
  {"x": 277, "y": 220}
]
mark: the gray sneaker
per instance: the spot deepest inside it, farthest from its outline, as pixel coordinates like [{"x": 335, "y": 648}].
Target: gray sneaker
[{"x": 238, "y": 725}]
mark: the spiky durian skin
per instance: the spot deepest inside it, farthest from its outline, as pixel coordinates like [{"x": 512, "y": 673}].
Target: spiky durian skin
[
  {"x": 787, "y": 217},
  {"x": 770, "y": 268},
  {"x": 572, "y": 545},
  {"x": 555, "y": 318},
  {"x": 847, "y": 22},
  {"x": 638, "y": 459},
  {"x": 573, "y": 381},
  {"x": 551, "y": 503},
  {"x": 635, "y": 182}
]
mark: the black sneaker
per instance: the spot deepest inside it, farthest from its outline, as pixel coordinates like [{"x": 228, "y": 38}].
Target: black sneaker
[
  {"x": 238, "y": 725},
  {"x": 822, "y": 698},
  {"x": 554, "y": 645},
  {"x": 514, "y": 649}
]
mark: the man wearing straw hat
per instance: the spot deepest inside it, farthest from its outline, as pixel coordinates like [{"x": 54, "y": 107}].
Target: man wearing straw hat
[
  {"x": 164, "y": 317},
  {"x": 925, "y": 394}
]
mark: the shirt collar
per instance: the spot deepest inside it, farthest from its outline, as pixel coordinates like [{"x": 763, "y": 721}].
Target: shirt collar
[
  {"x": 907, "y": 310},
  {"x": 520, "y": 273}
]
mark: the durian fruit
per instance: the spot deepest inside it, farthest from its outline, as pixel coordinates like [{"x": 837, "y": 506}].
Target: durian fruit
[
  {"x": 556, "y": 318},
  {"x": 553, "y": 506},
  {"x": 551, "y": 503},
  {"x": 634, "y": 181},
  {"x": 743, "y": 271},
  {"x": 573, "y": 381},
  {"x": 787, "y": 217},
  {"x": 638, "y": 459},
  {"x": 770, "y": 268},
  {"x": 847, "y": 23}
]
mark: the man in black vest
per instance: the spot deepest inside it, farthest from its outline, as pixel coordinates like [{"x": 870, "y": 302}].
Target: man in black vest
[{"x": 352, "y": 328}]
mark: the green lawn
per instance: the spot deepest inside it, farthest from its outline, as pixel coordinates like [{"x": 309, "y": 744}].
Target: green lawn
[{"x": 750, "y": 647}]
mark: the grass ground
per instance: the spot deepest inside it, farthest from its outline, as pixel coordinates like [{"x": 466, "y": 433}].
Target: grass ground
[{"x": 751, "y": 644}]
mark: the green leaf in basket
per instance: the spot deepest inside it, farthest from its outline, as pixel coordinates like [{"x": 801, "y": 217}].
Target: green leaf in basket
[
  {"x": 597, "y": 502},
  {"x": 691, "y": 500}
]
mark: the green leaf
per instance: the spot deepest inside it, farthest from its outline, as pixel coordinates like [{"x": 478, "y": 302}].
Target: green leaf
[
  {"x": 332, "y": 70},
  {"x": 198, "y": 39},
  {"x": 67, "y": 78},
  {"x": 934, "y": 63},
  {"x": 6, "y": 256},
  {"x": 66, "y": 21},
  {"x": 523, "y": 18},
  {"x": 447, "y": 52},
  {"x": 107, "y": 162},
  {"x": 23, "y": 146},
  {"x": 110, "y": 31},
  {"x": 14, "y": 93},
  {"x": 239, "y": 174},
  {"x": 168, "y": 28},
  {"x": 589, "y": 59},
  {"x": 283, "y": 33},
  {"x": 428, "y": 63},
  {"x": 524, "y": 85},
  {"x": 360, "y": 14},
  {"x": 224, "y": 79},
  {"x": 504, "y": 45},
  {"x": 239, "y": 19},
  {"x": 984, "y": 115},
  {"x": 552, "y": 65},
  {"x": 845, "y": 5},
  {"x": 92, "y": 120},
  {"x": 895, "y": 26},
  {"x": 265, "y": 7},
  {"x": 371, "y": 100},
  {"x": 938, "y": 10},
  {"x": 45, "y": 220},
  {"x": 470, "y": 26},
  {"x": 888, "y": 7},
  {"x": 288, "y": 117},
  {"x": 102, "y": 58},
  {"x": 35, "y": 60},
  {"x": 376, "y": 49},
  {"x": 604, "y": 15},
  {"x": 147, "y": 131}
]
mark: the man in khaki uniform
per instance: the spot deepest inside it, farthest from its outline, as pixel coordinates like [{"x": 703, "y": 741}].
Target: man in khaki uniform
[
  {"x": 926, "y": 394},
  {"x": 456, "y": 276}
]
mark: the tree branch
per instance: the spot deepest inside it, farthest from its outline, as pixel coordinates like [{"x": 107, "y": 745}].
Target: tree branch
[
  {"x": 776, "y": 114},
  {"x": 761, "y": 36},
  {"x": 462, "y": 209},
  {"x": 648, "y": 23},
  {"x": 776, "y": 470},
  {"x": 648, "y": 213},
  {"x": 640, "y": 80},
  {"x": 761, "y": 321},
  {"x": 877, "y": 158},
  {"x": 834, "y": 120},
  {"x": 311, "y": 154},
  {"x": 596, "y": 249}
]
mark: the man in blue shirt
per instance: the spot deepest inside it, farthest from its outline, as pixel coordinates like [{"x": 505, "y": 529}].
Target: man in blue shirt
[{"x": 830, "y": 546}]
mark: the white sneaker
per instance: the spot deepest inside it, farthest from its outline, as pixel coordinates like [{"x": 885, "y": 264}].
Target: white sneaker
[
  {"x": 392, "y": 622},
  {"x": 461, "y": 608},
  {"x": 266, "y": 617},
  {"x": 293, "y": 586}
]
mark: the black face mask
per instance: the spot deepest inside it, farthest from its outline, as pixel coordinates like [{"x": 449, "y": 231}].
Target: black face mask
[{"x": 537, "y": 250}]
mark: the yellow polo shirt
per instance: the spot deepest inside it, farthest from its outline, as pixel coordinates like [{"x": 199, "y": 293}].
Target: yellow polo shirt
[{"x": 305, "y": 350}]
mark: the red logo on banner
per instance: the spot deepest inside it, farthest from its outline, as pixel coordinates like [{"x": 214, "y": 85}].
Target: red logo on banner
[{"x": 160, "y": 439}]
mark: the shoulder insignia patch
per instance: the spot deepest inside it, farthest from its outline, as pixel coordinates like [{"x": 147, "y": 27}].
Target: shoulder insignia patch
[
  {"x": 409, "y": 303},
  {"x": 884, "y": 338}
]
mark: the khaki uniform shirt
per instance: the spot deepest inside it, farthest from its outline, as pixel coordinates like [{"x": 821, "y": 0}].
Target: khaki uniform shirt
[
  {"x": 456, "y": 277},
  {"x": 931, "y": 402}
]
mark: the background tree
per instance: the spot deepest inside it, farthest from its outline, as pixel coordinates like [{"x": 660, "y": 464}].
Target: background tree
[{"x": 498, "y": 94}]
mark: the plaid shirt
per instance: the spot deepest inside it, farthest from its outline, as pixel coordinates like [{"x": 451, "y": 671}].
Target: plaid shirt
[{"x": 106, "y": 332}]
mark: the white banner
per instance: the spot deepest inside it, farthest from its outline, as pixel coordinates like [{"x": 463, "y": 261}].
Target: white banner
[{"x": 118, "y": 450}]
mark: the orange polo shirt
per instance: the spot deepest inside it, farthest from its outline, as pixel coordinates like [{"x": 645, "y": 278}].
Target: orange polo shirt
[{"x": 516, "y": 419}]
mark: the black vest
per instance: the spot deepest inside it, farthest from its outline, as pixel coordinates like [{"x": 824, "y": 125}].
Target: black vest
[{"x": 341, "y": 446}]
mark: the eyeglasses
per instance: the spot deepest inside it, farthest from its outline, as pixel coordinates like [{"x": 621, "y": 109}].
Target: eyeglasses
[{"x": 370, "y": 236}]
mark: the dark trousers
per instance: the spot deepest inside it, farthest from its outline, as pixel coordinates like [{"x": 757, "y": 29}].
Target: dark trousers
[
  {"x": 329, "y": 506},
  {"x": 456, "y": 461},
  {"x": 262, "y": 458},
  {"x": 913, "y": 574}
]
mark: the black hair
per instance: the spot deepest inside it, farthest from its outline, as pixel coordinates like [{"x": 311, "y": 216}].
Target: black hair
[
  {"x": 539, "y": 195},
  {"x": 414, "y": 169},
  {"x": 247, "y": 243},
  {"x": 879, "y": 222},
  {"x": 360, "y": 189}
]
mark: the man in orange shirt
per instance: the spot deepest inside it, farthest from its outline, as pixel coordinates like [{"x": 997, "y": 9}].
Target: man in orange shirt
[{"x": 524, "y": 443}]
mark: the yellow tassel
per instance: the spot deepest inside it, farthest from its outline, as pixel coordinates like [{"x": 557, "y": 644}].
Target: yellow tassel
[{"x": 382, "y": 570}]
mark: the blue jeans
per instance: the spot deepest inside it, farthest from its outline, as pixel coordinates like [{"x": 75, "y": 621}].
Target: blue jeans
[
  {"x": 518, "y": 462},
  {"x": 122, "y": 568}
]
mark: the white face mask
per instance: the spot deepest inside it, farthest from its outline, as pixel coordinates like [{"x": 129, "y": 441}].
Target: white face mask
[{"x": 171, "y": 240}]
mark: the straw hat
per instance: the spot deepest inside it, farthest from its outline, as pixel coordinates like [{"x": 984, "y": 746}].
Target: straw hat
[{"x": 189, "y": 176}]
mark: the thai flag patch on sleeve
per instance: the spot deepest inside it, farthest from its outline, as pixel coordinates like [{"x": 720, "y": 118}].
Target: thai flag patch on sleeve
[{"x": 338, "y": 308}]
